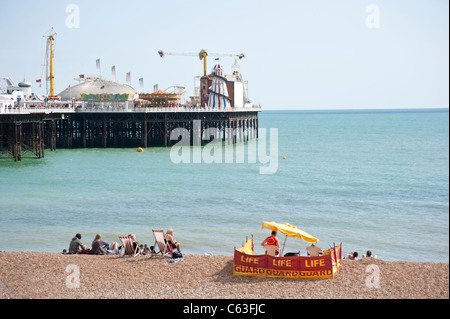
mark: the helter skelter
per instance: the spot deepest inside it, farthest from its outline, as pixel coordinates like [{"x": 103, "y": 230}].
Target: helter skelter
[{"x": 218, "y": 93}]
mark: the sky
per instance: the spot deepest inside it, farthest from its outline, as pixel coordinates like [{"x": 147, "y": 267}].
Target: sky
[{"x": 300, "y": 54}]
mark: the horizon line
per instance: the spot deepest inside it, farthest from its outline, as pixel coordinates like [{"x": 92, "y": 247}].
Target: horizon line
[{"x": 357, "y": 109}]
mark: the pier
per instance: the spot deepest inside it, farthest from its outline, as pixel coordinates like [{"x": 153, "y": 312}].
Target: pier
[{"x": 29, "y": 131}]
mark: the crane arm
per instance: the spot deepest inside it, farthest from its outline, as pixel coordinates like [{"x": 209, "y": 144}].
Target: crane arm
[
  {"x": 240, "y": 56},
  {"x": 202, "y": 56},
  {"x": 162, "y": 54}
]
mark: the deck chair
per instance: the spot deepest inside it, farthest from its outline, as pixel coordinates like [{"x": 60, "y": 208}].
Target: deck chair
[
  {"x": 127, "y": 244},
  {"x": 271, "y": 250},
  {"x": 314, "y": 251},
  {"x": 160, "y": 243}
]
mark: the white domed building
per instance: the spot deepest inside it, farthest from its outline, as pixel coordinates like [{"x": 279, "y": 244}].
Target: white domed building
[
  {"x": 94, "y": 87},
  {"x": 25, "y": 87}
]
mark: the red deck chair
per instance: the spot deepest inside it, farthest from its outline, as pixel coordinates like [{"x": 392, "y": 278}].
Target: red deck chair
[{"x": 127, "y": 244}]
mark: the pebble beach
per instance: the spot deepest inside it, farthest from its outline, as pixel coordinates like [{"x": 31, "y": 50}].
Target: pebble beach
[{"x": 42, "y": 275}]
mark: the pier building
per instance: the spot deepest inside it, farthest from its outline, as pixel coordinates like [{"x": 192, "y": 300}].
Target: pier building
[
  {"x": 98, "y": 113},
  {"x": 96, "y": 86}
]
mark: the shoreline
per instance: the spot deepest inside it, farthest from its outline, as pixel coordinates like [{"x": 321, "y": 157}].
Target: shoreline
[
  {"x": 260, "y": 251},
  {"x": 41, "y": 275}
]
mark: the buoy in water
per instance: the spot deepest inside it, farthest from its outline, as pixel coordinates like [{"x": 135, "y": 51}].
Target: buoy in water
[
  {"x": 284, "y": 157},
  {"x": 139, "y": 149}
]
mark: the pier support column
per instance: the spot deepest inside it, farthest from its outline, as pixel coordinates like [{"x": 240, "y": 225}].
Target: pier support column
[
  {"x": 223, "y": 130},
  {"x": 105, "y": 135},
  {"x": 196, "y": 132},
  {"x": 17, "y": 143},
  {"x": 33, "y": 139},
  {"x": 247, "y": 121},
  {"x": 235, "y": 131},
  {"x": 229, "y": 132},
  {"x": 69, "y": 133},
  {"x": 165, "y": 130},
  {"x": 144, "y": 134},
  {"x": 53, "y": 136},
  {"x": 240, "y": 129},
  {"x": 83, "y": 132},
  {"x": 41, "y": 139},
  {"x": 114, "y": 128}
]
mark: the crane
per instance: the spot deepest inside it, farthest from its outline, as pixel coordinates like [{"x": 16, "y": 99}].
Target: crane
[
  {"x": 202, "y": 56},
  {"x": 48, "y": 63}
]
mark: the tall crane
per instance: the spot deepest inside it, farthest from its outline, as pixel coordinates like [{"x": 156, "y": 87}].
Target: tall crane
[
  {"x": 202, "y": 56},
  {"x": 48, "y": 63}
]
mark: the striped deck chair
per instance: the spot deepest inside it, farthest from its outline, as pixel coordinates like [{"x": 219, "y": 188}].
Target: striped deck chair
[
  {"x": 127, "y": 244},
  {"x": 160, "y": 243}
]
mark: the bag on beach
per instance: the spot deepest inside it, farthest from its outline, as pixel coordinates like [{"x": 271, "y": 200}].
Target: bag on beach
[
  {"x": 177, "y": 254},
  {"x": 100, "y": 251}
]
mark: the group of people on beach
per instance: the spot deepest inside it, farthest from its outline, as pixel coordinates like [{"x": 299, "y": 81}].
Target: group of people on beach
[
  {"x": 100, "y": 247},
  {"x": 312, "y": 250},
  {"x": 354, "y": 255}
]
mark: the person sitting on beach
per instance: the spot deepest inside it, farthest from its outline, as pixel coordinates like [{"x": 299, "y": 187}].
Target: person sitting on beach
[
  {"x": 135, "y": 243},
  {"x": 272, "y": 240},
  {"x": 75, "y": 245},
  {"x": 314, "y": 251},
  {"x": 352, "y": 255},
  {"x": 369, "y": 255},
  {"x": 168, "y": 237},
  {"x": 100, "y": 247}
]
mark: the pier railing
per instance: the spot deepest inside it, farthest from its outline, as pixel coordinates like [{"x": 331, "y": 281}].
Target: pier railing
[{"x": 105, "y": 109}]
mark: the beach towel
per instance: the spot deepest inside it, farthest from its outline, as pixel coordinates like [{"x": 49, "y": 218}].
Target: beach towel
[{"x": 175, "y": 260}]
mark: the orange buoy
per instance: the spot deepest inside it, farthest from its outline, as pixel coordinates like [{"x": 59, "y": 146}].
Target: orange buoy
[
  {"x": 284, "y": 157},
  {"x": 140, "y": 149}
]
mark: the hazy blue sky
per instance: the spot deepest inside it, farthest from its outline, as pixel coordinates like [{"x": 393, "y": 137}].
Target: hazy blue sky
[{"x": 315, "y": 54}]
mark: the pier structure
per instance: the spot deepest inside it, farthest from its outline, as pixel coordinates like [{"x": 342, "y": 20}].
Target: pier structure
[{"x": 31, "y": 130}]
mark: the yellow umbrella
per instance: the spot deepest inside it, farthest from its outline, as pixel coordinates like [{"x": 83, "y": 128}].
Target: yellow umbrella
[{"x": 291, "y": 231}]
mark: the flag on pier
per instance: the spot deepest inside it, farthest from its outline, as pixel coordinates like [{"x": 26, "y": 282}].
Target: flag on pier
[
  {"x": 128, "y": 77},
  {"x": 141, "y": 82},
  {"x": 155, "y": 87},
  {"x": 97, "y": 62},
  {"x": 113, "y": 70},
  {"x": 38, "y": 80}
]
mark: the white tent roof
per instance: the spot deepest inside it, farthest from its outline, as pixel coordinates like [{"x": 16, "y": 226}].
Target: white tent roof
[{"x": 95, "y": 86}]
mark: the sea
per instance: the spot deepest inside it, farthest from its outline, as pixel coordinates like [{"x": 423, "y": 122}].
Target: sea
[{"x": 370, "y": 179}]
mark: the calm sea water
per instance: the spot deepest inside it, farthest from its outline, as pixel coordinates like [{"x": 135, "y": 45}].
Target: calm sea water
[{"x": 375, "y": 180}]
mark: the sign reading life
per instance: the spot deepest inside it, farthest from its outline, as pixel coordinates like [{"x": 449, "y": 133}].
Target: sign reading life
[{"x": 292, "y": 267}]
